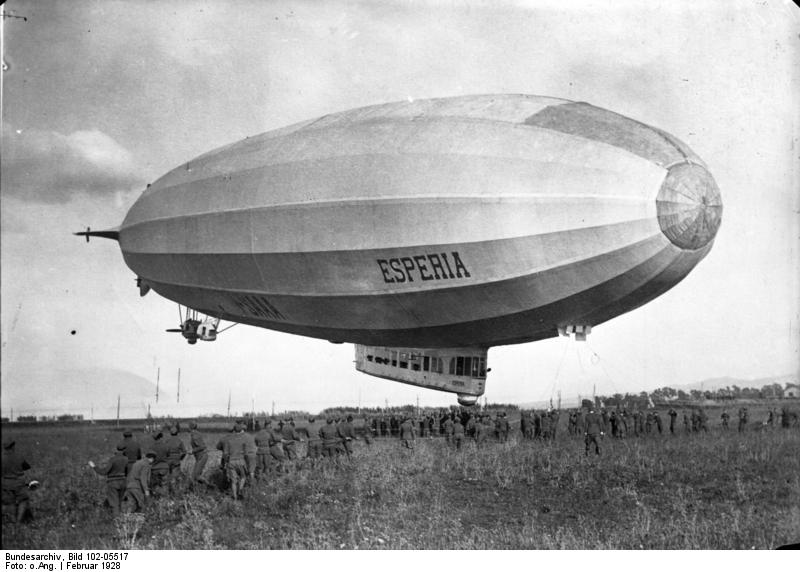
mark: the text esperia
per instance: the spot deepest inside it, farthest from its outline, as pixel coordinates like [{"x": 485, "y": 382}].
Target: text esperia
[{"x": 423, "y": 266}]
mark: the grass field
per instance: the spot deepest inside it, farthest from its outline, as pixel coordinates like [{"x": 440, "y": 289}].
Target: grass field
[{"x": 721, "y": 490}]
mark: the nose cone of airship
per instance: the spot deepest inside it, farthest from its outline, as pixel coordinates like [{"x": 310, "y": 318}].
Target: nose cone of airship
[{"x": 689, "y": 206}]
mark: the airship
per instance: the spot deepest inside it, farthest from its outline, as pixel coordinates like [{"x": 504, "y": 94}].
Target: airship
[{"x": 426, "y": 232}]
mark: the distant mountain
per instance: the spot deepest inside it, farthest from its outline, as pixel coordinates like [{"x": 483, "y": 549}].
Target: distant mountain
[
  {"x": 77, "y": 391},
  {"x": 715, "y": 383}
]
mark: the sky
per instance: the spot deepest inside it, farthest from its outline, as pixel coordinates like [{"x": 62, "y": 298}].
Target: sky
[{"x": 101, "y": 97}]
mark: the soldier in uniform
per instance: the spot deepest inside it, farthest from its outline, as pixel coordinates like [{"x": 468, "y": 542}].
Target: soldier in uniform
[
  {"x": 130, "y": 448},
  {"x": 160, "y": 467},
  {"x": 197, "y": 443},
  {"x": 240, "y": 450},
  {"x": 672, "y": 416},
  {"x": 657, "y": 419},
  {"x": 314, "y": 450},
  {"x": 276, "y": 450},
  {"x": 330, "y": 439},
  {"x": 469, "y": 429},
  {"x": 614, "y": 425},
  {"x": 742, "y": 419},
  {"x": 368, "y": 434},
  {"x": 449, "y": 425},
  {"x": 16, "y": 499},
  {"x": 458, "y": 434},
  {"x": 648, "y": 422},
  {"x": 262, "y": 439},
  {"x": 290, "y": 438},
  {"x": 176, "y": 451},
  {"x": 546, "y": 426},
  {"x": 479, "y": 434},
  {"x": 701, "y": 420},
  {"x": 525, "y": 425},
  {"x": 137, "y": 486},
  {"x": 407, "y": 433},
  {"x": 725, "y": 417},
  {"x": 504, "y": 427},
  {"x": 347, "y": 434},
  {"x": 593, "y": 429},
  {"x": 114, "y": 471}
]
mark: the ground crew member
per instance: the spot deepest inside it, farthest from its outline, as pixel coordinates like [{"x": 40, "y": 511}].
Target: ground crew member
[
  {"x": 330, "y": 438},
  {"x": 130, "y": 448},
  {"x": 592, "y": 430},
  {"x": 314, "y": 450},
  {"x": 725, "y": 416},
  {"x": 480, "y": 431},
  {"x": 276, "y": 445},
  {"x": 672, "y": 415},
  {"x": 159, "y": 470},
  {"x": 347, "y": 434},
  {"x": 469, "y": 429},
  {"x": 686, "y": 425},
  {"x": 604, "y": 419},
  {"x": 368, "y": 432},
  {"x": 648, "y": 422},
  {"x": 240, "y": 449},
  {"x": 114, "y": 471},
  {"x": 262, "y": 439},
  {"x": 742, "y": 419},
  {"x": 449, "y": 425},
  {"x": 176, "y": 451},
  {"x": 197, "y": 443},
  {"x": 290, "y": 439},
  {"x": 503, "y": 427},
  {"x": 458, "y": 434},
  {"x": 657, "y": 419},
  {"x": 701, "y": 420},
  {"x": 137, "y": 487},
  {"x": 785, "y": 417},
  {"x": 407, "y": 434},
  {"x": 16, "y": 499}
]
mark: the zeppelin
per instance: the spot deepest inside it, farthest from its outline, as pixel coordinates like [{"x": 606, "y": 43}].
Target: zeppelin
[{"x": 426, "y": 232}]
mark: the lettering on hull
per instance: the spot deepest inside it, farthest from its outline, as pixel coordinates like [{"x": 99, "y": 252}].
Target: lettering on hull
[{"x": 423, "y": 267}]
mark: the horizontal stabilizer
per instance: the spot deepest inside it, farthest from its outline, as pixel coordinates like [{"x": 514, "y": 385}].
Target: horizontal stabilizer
[{"x": 112, "y": 233}]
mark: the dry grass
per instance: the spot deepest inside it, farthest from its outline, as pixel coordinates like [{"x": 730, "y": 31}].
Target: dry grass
[{"x": 721, "y": 490}]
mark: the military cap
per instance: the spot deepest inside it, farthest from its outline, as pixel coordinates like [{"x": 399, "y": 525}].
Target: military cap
[
  {"x": 127, "y": 434},
  {"x": 150, "y": 454},
  {"x": 120, "y": 447}
]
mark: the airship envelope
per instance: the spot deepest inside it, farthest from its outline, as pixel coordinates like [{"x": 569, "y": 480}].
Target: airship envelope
[{"x": 426, "y": 232}]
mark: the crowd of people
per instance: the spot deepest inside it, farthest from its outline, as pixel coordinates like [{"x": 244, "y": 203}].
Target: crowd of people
[{"x": 251, "y": 450}]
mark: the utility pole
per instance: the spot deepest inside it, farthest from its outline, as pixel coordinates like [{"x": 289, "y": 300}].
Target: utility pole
[
  {"x": 229, "y": 405},
  {"x": 179, "y": 385},
  {"x": 273, "y": 409},
  {"x": 158, "y": 378},
  {"x": 118, "y": 410}
]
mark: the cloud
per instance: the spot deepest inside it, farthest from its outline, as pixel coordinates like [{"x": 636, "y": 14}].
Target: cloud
[{"x": 46, "y": 166}]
